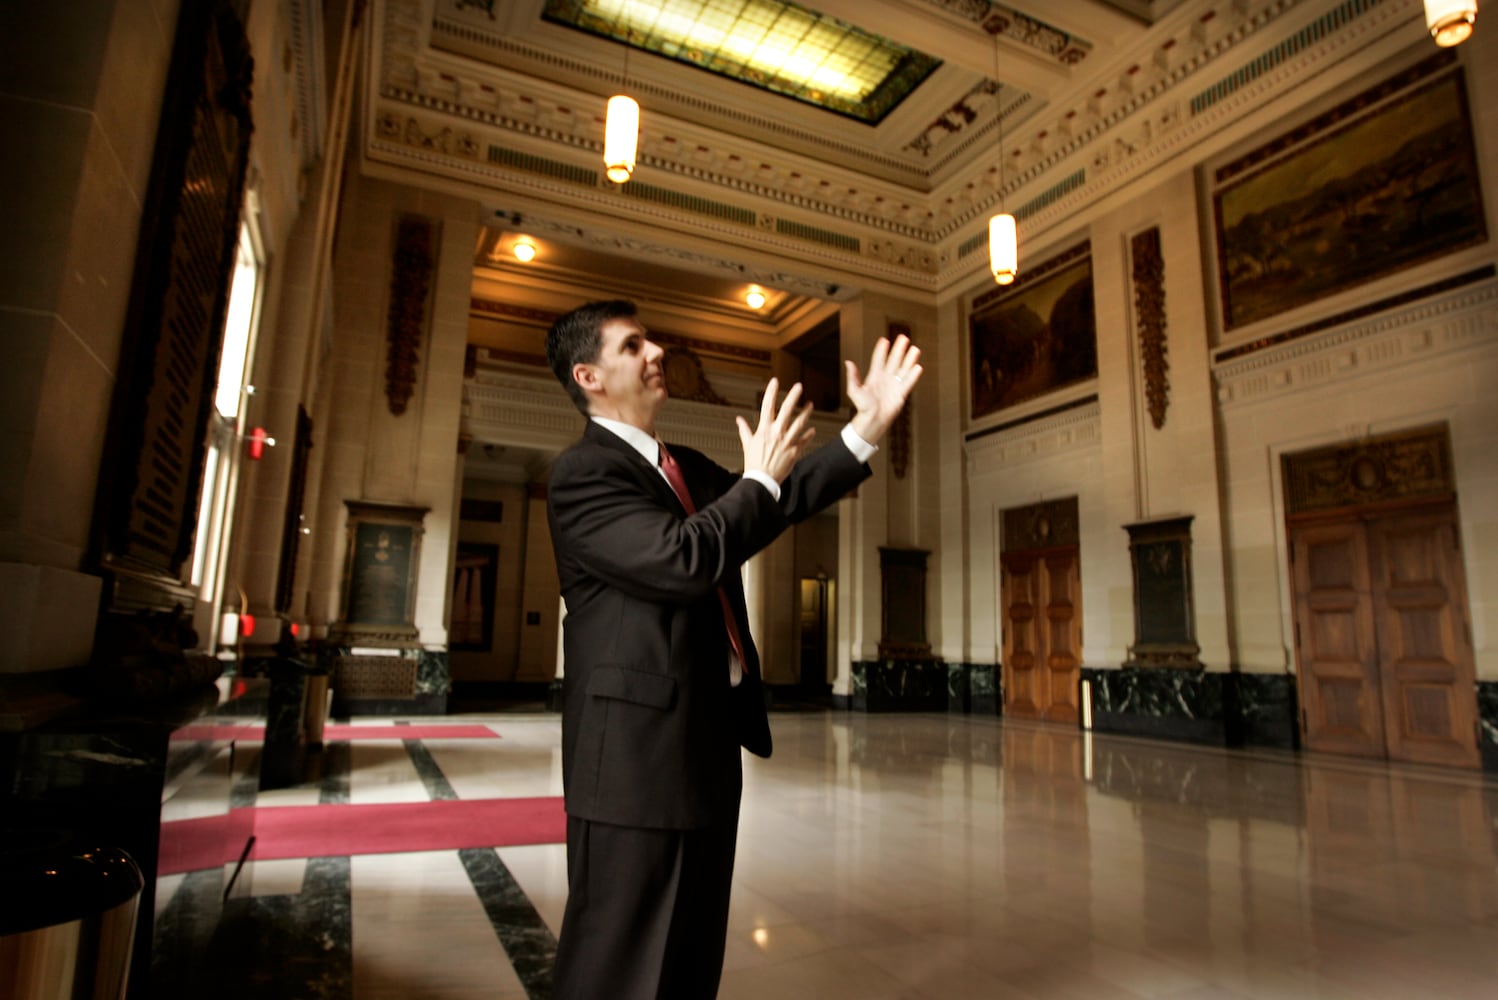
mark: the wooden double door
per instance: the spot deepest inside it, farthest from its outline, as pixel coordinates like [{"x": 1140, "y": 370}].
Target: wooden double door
[
  {"x": 1041, "y": 594},
  {"x": 1382, "y": 640}
]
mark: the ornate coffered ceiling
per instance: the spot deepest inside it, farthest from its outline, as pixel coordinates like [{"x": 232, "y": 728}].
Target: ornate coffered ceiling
[{"x": 487, "y": 98}]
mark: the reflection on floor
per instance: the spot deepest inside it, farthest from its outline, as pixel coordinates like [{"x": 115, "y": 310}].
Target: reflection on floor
[{"x": 897, "y": 857}]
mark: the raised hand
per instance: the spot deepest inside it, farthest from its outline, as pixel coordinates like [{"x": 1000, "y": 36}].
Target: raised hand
[
  {"x": 894, "y": 369},
  {"x": 774, "y": 446}
]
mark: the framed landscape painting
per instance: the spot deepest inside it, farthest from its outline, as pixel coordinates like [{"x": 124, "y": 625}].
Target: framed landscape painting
[
  {"x": 1378, "y": 184},
  {"x": 1036, "y": 336}
]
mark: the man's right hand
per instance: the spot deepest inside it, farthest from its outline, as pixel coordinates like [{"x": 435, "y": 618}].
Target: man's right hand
[{"x": 774, "y": 446}]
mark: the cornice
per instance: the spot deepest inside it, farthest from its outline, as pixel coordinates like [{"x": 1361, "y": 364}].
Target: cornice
[
  {"x": 920, "y": 240},
  {"x": 428, "y": 146},
  {"x": 1430, "y": 329},
  {"x": 508, "y": 50},
  {"x": 1171, "y": 126},
  {"x": 1071, "y": 430}
]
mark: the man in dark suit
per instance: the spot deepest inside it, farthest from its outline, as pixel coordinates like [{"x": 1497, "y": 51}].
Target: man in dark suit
[{"x": 661, "y": 677}]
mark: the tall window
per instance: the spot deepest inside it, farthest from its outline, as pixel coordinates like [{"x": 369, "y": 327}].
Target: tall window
[{"x": 227, "y": 435}]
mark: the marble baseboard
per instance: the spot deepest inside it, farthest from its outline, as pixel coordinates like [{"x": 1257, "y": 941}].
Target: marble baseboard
[
  {"x": 899, "y": 686},
  {"x": 1228, "y": 709},
  {"x": 1261, "y": 710},
  {"x": 1182, "y": 705},
  {"x": 1487, "y": 724},
  {"x": 1223, "y": 709},
  {"x": 923, "y": 686},
  {"x": 974, "y": 688}
]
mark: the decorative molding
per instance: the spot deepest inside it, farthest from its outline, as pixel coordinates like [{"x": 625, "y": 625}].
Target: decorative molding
[
  {"x": 1149, "y": 309},
  {"x": 955, "y": 119},
  {"x": 1405, "y": 466},
  {"x": 1071, "y": 430},
  {"x": 1040, "y": 526},
  {"x": 410, "y": 283},
  {"x": 1431, "y": 329},
  {"x": 304, "y": 53},
  {"x": 1348, "y": 315},
  {"x": 1045, "y": 40},
  {"x": 500, "y": 50},
  {"x": 1114, "y": 133}
]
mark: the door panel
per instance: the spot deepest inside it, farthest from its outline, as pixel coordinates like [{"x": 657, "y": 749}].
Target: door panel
[
  {"x": 1019, "y": 593},
  {"x": 1339, "y": 687},
  {"x": 1424, "y": 659},
  {"x": 1386, "y": 666},
  {"x": 1064, "y": 636},
  {"x": 1040, "y": 593}
]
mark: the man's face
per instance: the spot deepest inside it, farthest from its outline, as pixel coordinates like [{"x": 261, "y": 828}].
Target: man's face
[{"x": 626, "y": 382}]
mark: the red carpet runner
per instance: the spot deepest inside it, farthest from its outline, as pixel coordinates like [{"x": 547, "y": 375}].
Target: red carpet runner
[{"x": 382, "y": 828}]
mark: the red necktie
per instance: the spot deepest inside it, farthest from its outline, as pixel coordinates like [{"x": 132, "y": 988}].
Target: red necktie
[{"x": 679, "y": 484}]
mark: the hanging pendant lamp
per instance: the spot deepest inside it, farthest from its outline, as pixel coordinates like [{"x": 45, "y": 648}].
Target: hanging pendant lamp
[
  {"x": 1003, "y": 231},
  {"x": 621, "y": 131},
  {"x": 1450, "y": 21},
  {"x": 1003, "y": 248}
]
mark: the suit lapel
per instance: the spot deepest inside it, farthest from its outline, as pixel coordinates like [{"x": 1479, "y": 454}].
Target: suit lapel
[{"x": 650, "y": 478}]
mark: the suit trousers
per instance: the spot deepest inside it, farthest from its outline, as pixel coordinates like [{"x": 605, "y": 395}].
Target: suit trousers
[{"x": 647, "y": 912}]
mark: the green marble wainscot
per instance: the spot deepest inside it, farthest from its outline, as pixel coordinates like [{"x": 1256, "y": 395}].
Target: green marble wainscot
[
  {"x": 890, "y": 685},
  {"x": 1162, "y": 702},
  {"x": 1261, "y": 710},
  {"x": 1487, "y": 720},
  {"x": 973, "y": 688}
]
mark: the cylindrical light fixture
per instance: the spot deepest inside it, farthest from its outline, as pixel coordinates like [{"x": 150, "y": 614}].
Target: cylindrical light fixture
[
  {"x": 621, "y": 138},
  {"x": 1003, "y": 248},
  {"x": 1003, "y": 233},
  {"x": 1450, "y": 21}
]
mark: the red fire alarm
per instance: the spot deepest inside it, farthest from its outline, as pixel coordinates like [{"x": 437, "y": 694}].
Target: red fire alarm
[{"x": 258, "y": 439}]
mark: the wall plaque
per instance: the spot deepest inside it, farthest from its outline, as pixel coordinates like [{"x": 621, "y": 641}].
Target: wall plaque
[
  {"x": 1164, "y": 616},
  {"x": 380, "y": 572}
]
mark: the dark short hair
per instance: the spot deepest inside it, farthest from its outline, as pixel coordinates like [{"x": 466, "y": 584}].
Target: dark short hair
[{"x": 576, "y": 339}]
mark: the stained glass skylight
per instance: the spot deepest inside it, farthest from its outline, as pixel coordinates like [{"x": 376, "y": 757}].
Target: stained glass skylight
[{"x": 770, "y": 44}]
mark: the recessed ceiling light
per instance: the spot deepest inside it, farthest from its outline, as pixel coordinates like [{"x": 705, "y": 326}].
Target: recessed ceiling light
[
  {"x": 524, "y": 250},
  {"x": 755, "y": 298}
]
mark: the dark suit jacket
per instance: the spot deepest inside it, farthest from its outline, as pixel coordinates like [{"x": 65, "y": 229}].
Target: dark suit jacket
[{"x": 651, "y": 728}]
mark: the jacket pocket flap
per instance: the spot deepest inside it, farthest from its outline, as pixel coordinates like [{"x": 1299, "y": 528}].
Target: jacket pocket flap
[{"x": 654, "y": 690}]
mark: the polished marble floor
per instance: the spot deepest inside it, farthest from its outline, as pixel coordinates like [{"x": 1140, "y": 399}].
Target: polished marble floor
[{"x": 928, "y": 857}]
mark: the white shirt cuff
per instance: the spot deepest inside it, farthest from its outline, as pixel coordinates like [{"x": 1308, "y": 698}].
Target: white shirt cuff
[
  {"x": 764, "y": 480},
  {"x": 861, "y": 449}
]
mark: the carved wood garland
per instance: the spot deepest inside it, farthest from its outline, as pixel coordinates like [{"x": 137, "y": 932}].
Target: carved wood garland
[
  {"x": 1149, "y": 308},
  {"x": 410, "y": 283}
]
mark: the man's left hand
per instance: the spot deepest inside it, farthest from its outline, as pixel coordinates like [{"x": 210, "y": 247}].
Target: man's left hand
[{"x": 878, "y": 398}]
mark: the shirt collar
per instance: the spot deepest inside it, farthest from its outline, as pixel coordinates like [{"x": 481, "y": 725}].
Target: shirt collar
[{"x": 646, "y": 444}]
